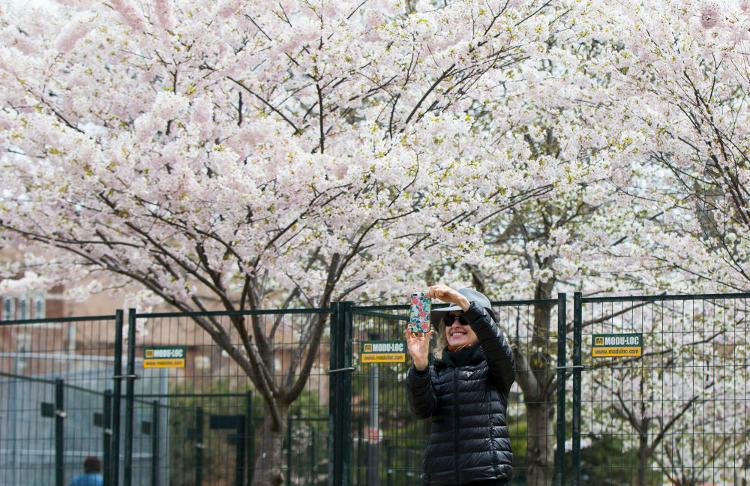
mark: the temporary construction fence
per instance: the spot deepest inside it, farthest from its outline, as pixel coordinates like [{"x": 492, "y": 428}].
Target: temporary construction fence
[
  {"x": 677, "y": 413},
  {"x": 641, "y": 390},
  {"x": 386, "y": 440}
]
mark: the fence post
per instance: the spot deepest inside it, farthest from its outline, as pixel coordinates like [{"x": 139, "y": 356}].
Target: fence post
[
  {"x": 249, "y": 436},
  {"x": 155, "y": 443},
  {"x": 107, "y": 438},
  {"x": 313, "y": 458},
  {"x": 289, "y": 434},
  {"x": 577, "y": 330},
  {"x": 562, "y": 331},
  {"x": 240, "y": 454},
  {"x": 199, "y": 446},
  {"x": 340, "y": 395},
  {"x": 116, "y": 410},
  {"x": 59, "y": 432},
  {"x": 389, "y": 463},
  {"x": 129, "y": 400},
  {"x": 373, "y": 424},
  {"x": 360, "y": 456}
]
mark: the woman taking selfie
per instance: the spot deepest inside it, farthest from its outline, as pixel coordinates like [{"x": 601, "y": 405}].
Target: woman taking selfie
[{"x": 464, "y": 392}]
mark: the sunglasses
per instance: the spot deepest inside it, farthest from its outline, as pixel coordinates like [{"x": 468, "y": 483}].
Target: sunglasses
[{"x": 448, "y": 320}]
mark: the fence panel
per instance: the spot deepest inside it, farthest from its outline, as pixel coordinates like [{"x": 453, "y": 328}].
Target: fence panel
[
  {"x": 198, "y": 419},
  {"x": 664, "y": 391},
  {"x": 533, "y": 329},
  {"x": 388, "y": 440},
  {"x": 56, "y": 382},
  {"x": 677, "y": 413}
]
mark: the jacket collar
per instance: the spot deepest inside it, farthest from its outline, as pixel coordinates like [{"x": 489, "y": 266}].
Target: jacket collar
[{"x": 468, "y": 356}]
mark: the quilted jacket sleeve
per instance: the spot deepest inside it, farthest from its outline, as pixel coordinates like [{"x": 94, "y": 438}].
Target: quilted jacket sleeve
[
  {"x": 420, "y": 392},
  {"x": 495, "y": 346}
]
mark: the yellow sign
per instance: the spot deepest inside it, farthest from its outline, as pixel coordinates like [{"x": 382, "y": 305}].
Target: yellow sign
[
  {"x": 164, "y": 356},
  {"x": 617, "y": 345},
  {"x": 383, "y": 358},
  {"x": 382, "y": 352},
  {"x": 616, "y": 352},
  {"x": 164, "y": 363}
]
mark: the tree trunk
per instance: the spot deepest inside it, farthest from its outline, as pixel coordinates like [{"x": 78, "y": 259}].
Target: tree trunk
[
  {"x": 540, "y": 442},
  {"x": 643, "y": 456},
  {"x": 269, "y": 450},
  {"x": 540, "y": 406}
]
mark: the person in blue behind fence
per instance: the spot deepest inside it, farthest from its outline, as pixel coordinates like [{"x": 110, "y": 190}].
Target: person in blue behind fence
[
  {"x": 92, "y": 473},
  {"x": 464, "y": 391}
]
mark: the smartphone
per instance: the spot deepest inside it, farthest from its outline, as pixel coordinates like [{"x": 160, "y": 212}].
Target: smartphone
[{"x": 419, "y": 313}]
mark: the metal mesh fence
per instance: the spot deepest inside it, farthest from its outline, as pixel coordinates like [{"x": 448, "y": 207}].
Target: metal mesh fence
[
  {"x": 678, "y": 413},
  {"x": 531, "y": 326},
  {"x": 388, "y": 440},
  {"x": 673, "y": 411},
  {"x": 203, "y": 420},
  {"x": 53, "y": 379}
]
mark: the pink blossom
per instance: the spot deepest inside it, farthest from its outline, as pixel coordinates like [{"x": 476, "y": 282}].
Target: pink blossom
[
  {"x": 340, "y": 170},
  {"x": 374, "y": 19},
  {"x": 75, "y": 3},
  {"x": 167, "y": 106},
  {"x": 129, "y": 15},
  {"x": 202, "y": 116},
  {"x": 710, "y": 15},
  {"x": 72, "y": 33},
  {"x": 329, "y": 11},
  {"x": 202, "y": 111},
  {"x": 164, "y": 14},
  {"x": 26, "y": 46},
  {"x": 28, "y": 283},
  {"x": 228, "y": 8},
  {"x": 252, "y": 135}
]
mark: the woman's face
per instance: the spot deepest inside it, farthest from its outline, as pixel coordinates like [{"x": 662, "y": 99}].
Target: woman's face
[{"x": 458, "y": 333}]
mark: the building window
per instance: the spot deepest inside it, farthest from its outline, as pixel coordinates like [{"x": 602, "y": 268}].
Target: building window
[
  {"x": 23, "y": 308},
  {"x": 26, "y": 307},
  {"x": 40, "y": 309},
  {"x": 9, "y": 309}
]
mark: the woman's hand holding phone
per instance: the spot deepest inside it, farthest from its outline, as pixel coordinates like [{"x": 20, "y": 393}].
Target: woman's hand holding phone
[{"x": 418, "y": 345}]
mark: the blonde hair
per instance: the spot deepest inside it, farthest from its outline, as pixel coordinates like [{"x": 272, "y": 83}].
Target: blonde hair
[{"x": 441, "y": 341}]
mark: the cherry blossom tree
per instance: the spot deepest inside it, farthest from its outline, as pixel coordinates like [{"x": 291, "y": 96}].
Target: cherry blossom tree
[
  {"x": 682, "y": 73},
  {"x": 258, "y": 153},
  {"x": 581, "y": 234},
  {"x": 618, "y": 224},
  {"x": 685, "y": 74},
  {"x": 685, "y": 212}
]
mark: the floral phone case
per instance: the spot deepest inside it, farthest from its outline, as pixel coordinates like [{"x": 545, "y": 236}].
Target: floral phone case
[{"x": 419, "y": 313}]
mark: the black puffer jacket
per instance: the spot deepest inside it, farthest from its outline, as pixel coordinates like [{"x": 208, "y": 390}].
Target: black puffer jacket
[{"x": 467, "y": 399}]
